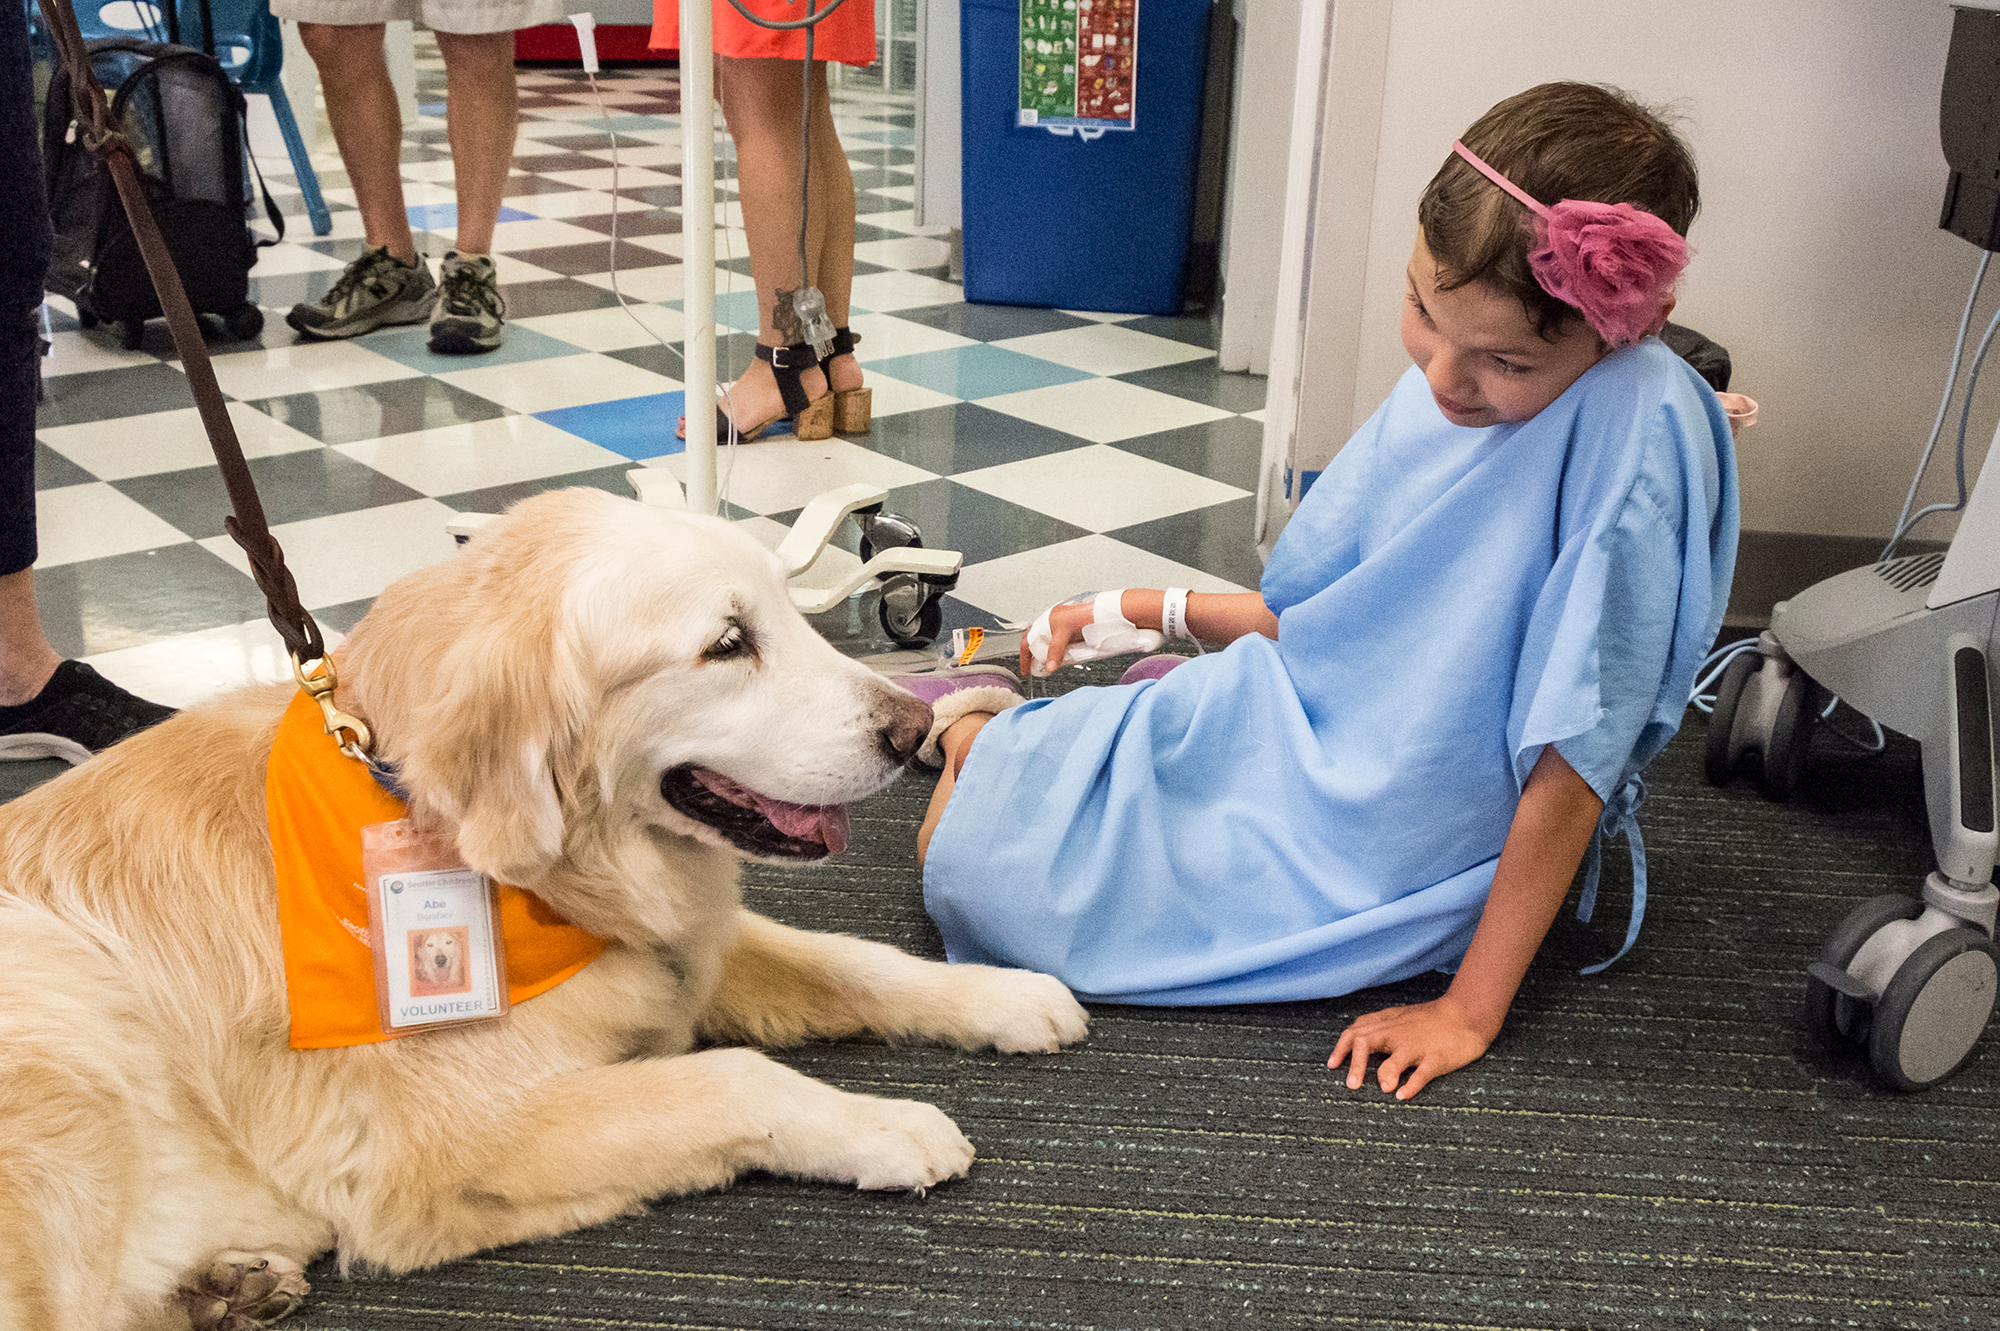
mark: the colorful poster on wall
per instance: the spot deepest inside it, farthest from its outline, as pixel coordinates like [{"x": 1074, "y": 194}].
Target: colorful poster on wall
[{"x": 1079, "y": 64}]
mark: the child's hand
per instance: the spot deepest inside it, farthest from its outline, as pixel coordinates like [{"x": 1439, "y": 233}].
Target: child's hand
[
  {"x": 1425, "y": 1040},
  {"x": 1067, "y": 620}
]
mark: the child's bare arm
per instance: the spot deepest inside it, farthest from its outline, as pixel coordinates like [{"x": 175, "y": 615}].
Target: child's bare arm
[
  {"x": 1211, "y": 616},
  {"x": 1551, "y": 829}
]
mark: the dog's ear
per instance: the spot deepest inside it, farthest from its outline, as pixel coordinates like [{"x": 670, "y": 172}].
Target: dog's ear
[{"x": 481, "y": 750}]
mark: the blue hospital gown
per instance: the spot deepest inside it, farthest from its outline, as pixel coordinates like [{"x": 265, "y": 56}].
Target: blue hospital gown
[{"x": 1306, "y": 817}]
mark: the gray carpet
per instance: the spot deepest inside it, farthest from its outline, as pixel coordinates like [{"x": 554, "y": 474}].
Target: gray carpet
[{"x": 1652, "y": 1147}]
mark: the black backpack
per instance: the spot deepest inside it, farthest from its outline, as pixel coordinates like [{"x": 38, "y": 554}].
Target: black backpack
[{"x": 184, "y": 119}]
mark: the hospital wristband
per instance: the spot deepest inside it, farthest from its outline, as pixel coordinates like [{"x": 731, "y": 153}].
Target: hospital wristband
[{"x": 1173, "y": 613}]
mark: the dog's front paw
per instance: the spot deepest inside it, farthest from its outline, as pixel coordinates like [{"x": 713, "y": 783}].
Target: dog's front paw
[
  {"x": 1018, "y": 1012},
  {"x": 906, "y": 1144},
  {"x": 240, "y": 1291}
]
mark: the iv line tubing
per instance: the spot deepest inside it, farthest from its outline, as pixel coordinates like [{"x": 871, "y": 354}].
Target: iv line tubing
[{"x": 811, "y": 20}]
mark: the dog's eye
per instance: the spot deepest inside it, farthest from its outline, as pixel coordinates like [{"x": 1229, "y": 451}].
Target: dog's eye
[{"x": 736, "y": 641}]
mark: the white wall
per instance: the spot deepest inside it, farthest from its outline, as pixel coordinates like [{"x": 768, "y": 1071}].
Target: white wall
[
  {"x": 1819, "y": 263},
  {"x": 1254, "y": 209}
]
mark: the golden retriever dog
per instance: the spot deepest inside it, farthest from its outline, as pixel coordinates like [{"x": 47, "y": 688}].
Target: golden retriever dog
[{"x": 600, "y": 701}]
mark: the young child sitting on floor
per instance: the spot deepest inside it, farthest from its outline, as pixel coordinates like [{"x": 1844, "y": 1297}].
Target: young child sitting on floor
[{"x": 1476, "y": 630}]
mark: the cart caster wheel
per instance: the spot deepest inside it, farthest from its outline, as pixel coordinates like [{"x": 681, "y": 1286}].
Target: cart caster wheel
[
  {"x": 1935, "y": 1010},
  {"x": 1790, "y": 740},
  {"x": 1722, "y": 721},
  {"x": 907, "y": 628},
  {"x": 132, "y": 333},
  {"x": 86, "y": 318},
  {"x": 1835, "y": 1020},
  {"x": 244, "y": 323},
  {"x": 885, "y": 531}
]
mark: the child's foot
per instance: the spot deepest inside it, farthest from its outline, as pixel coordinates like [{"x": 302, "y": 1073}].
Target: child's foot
[
  {"x": 1151, "y": 667},
  {"x": 953, "y": 694}
]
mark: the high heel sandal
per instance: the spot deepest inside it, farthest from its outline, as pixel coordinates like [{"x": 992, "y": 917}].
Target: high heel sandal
[
  {"x": 811, "y": 418},
  {"x": 853, "y": 409}
]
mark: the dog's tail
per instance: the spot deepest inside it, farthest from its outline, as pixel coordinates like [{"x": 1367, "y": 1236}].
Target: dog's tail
[{"x": 71, "y": 1148}]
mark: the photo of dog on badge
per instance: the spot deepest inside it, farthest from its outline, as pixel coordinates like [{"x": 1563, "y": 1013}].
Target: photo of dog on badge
[{"x": 437, "y": 962}]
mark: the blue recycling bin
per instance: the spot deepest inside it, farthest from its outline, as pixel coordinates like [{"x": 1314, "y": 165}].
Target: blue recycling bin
[{"x": 1078, "y": 158}]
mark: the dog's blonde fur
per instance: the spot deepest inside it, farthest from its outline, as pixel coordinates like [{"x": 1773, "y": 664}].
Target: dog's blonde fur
[{"x": 532, "y": 691}]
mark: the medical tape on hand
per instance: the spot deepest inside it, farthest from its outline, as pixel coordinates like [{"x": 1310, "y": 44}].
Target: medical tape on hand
[
  {"x": 1107, "y": 618},
  {"x": 1109, "y": 633}
]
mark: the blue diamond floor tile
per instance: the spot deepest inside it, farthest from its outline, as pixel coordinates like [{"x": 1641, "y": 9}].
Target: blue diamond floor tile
[
  {"x": 977, "y": 371},
  {"x": 637, "y": 427}
]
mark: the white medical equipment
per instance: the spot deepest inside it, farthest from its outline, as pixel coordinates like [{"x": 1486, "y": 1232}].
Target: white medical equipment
[
  {"x": 1910, "y": 642},
  {"x": 912, "y": 579}
]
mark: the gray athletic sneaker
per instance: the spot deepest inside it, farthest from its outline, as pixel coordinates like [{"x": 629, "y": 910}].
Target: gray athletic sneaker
[
  {"x": 376, "y": 289},
  {"x": 469, "y": 307}
]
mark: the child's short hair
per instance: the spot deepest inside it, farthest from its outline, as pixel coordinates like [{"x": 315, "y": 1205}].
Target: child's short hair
[{"x": 1556, "y": 141}]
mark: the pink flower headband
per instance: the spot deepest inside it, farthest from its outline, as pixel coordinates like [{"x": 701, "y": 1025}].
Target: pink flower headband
[{"x": 1615, "y": 263}]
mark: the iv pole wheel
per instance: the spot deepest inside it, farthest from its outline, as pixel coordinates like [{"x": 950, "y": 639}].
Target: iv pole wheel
[
  {"x": 1835, "y": 1020},
  {"x": 1790, "y": 739},
  {"x": 1935, "y": 1009},
  {"x": 906, "y": 629},
  {"x": 886, "y": 531},
  {"x": 1722, "y": 721}
]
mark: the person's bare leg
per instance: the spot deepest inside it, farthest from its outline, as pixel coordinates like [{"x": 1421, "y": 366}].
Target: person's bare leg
[
  {"x": 367, "y": 125},
  {"x": 481, "y": 117},
  {"x": 833, "y": 200},
  {"x": 26, "y": 659},
  {"x": 762, "y": 101},
  {"x": 956, "y": 741}
]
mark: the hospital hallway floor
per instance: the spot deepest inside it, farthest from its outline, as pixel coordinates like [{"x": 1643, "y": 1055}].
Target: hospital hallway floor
[{"x": 1058, "y": 450}]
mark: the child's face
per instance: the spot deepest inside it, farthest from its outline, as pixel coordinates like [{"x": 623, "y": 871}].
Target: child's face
[{"x": 1484, "y": 360}]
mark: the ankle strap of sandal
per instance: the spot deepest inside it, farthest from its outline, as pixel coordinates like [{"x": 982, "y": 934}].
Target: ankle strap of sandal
[
  {"x": 843, "y": 343},
  {"x": 785, "y": 363}
]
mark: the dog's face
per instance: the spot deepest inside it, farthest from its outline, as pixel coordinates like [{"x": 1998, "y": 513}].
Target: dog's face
[
  {"x": 589, "y": 666},
  {"x": 438, "y": 958}
]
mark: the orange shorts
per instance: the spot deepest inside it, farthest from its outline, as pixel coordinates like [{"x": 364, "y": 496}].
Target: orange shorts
[{"x": 847, "y": 36}]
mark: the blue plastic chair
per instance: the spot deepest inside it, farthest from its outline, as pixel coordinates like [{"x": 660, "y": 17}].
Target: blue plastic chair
[{"x": 250, "y": 47}]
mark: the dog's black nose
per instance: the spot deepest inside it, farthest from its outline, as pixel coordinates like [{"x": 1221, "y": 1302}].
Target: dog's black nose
[{"x": 909, "y": 722}]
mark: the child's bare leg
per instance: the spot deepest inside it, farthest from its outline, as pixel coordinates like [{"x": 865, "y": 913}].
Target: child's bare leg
[{"x": 955, "y": 742}]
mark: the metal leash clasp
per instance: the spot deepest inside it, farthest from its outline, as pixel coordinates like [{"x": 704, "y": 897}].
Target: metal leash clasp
[{"x": 320, "y": 686}]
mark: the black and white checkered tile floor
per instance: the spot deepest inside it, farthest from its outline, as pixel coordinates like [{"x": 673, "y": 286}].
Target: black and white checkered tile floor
[{"x": 1057, "y": 450}]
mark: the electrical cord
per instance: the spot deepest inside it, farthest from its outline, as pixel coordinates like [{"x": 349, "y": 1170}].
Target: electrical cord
[
  {"x": 1904, "y": 521},
  {"x": 1702, "y": 697},
  {"x": 810, "y": 23},
  {"x": 597, "y": 95}
]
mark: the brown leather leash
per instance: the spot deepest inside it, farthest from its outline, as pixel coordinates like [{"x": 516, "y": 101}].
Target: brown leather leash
[{"x": 94, "y": 127}]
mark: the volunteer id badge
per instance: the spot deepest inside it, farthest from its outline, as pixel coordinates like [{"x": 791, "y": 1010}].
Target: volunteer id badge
[{"x": 433, "y": 925}]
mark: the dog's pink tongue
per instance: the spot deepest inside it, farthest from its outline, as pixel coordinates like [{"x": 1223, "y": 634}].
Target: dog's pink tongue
[{"x": 824, "y": 823}]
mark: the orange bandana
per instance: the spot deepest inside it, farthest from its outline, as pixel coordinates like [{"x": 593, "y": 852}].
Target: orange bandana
[{"x": 317, "y": 800}]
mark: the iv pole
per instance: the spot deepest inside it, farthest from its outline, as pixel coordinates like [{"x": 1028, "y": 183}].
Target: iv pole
[{"x": 698, "y": 249}]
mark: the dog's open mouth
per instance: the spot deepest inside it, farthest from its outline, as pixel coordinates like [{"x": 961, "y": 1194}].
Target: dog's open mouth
[{"x": 756, "y": 823}]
